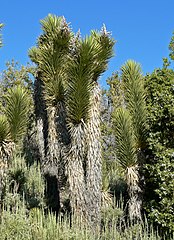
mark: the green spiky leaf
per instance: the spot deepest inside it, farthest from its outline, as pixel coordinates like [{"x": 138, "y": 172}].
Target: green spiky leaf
[
  {"x": 135, "y": 99},
  {"x": 4, "y": 129},
  {"x": 106, "y": 43},
  {"x": 16, "y": 110},
  {"x": 125, "y": 138},
  {"x": 80, "y": 80},
  {"x": 51, "y": 56}
]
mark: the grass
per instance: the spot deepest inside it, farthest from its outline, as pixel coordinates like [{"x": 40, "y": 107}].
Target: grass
[
  {"x": 23, "y": 216},
  {"x": 21, "y": 224}
]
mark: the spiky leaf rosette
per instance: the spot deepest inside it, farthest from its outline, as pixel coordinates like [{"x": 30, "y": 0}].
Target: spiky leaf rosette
[
  {"x": 126, "y": 153},
  {"x": 4, "y": 129},
  {"x": 16, "y": 110},
  {"x": 135, "y": 99},
  {"x": 6, "y": 149},
  {"x": 125, "y": 138},
  {"x": 106, "y": 43},
  {"x": 50, "y": 56},
  {"x": 80, "y": 76},
  {"x": 6, "y": 145}
]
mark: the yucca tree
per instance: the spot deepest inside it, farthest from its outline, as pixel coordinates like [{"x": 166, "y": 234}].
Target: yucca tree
[
  {"x": 126, "y": 153},
  {"x": 51, "y": 56},
  {"x": 130, "y": 133},
  {"x": 94, "y": 160},
  {"x": 134, "y": 96},
  {"x": 13, "y": 126},
  {"x": 80, "y": 85},
  {"x": 69, "y": 68},
  {"x": 83, "y": 112}
]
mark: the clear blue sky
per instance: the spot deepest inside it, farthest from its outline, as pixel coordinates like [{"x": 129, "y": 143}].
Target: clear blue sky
[{"x": 142, "y": 28}]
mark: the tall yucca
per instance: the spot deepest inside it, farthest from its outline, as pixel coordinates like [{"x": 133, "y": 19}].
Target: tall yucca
[
  {"x": 83, "y": 113},
  {"x": 51, "y": 57},
  {"x": 134, "y": 95},
  {"x": 79, "y": 87},
  {"x": 126, "y": 152},
  {"x": 130, "y": 132},
  {"x": 94, "y": 160},
  {"x": 69, "y": 68},
  {"x": 13, "y": 125}
]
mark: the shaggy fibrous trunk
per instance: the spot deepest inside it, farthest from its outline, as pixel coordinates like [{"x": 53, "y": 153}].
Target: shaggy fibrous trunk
[
  {"x": 75, "y": 171},
  {"x": 6, "y": 150},
  {"x": 62, "y": 131},
  {"x": 40, "y": 138},
  {"x": 53, "y": 148},
  {"x": 63, "y": 139},
  {"x": 135, "y": 194},
  {"x": 40, "y": 112},
  {"x": 94, "y": 159},
  {"x": 57, "y": 141}
]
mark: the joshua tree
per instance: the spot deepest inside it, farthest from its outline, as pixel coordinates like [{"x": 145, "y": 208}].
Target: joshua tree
[
  {"x": 130, "y": 133},
  {"x": 83, "y": 111},
  {"x": 69, "y": 68},
  {"x": 50, "y": 57},
  {"x": 13, "y": 126},
  {"x": 94, "y": 160}
]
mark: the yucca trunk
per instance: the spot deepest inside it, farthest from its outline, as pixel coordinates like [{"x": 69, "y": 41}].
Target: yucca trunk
[
  {"x": 53, "y": 148},
  {"x": 94, "y": 159},
  {"x": 135, "y": 194},
  {"x": 40, "y": 139},
  {"x": 57, "y": 141},
  {"x": 75, "y": 171},
  {"x": 6, "y": 150},
  {"x": 40, "y": 112}
]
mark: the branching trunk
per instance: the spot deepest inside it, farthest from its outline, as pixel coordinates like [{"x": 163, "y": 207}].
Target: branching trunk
[{"x": 94, "y": 160}]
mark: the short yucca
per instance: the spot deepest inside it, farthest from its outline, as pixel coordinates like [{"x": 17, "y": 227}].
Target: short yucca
[{"x": 130, "y": 133}]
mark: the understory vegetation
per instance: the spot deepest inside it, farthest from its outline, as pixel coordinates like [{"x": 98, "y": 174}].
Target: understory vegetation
[{"x": 81, "y": 162}]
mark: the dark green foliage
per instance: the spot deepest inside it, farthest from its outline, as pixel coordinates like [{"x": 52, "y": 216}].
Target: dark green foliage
[{"x": 160, "y": 159}]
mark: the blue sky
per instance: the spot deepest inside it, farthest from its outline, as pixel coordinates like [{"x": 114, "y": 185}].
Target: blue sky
[{"x": 142, "y": 28}]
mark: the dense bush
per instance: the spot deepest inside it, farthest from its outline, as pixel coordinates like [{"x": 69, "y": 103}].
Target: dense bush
[{"x": 160, "y": 158}]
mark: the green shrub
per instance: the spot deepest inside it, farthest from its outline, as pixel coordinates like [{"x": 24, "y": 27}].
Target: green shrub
[{"x": 159, "y": 204}]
